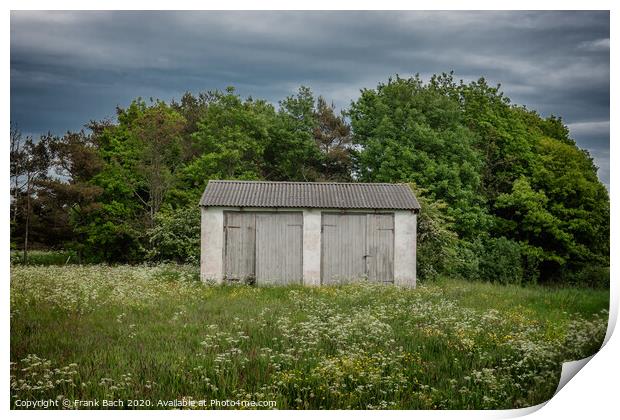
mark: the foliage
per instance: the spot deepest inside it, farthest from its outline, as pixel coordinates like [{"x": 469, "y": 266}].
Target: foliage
[
  {"x": 176, "y": 236},
  {"x": 156, "y": 333},
  {"x": 72, "y": 199},
  {"x": 48, "y": 257},
  {"x": 332, "y": 134},
  {"x": 231, "y": 139},
  {"x": 590, "y": 276},
  {"x": 436, "y": 239},
  {"x": 494, "y": 177},
  {"x": 293, "y": 155},
  {"x": 501, "y": 261},
  {"x": 502, "y": 170},
  {"x": 30, "y": 162},
  {"x": 143, "y": 152},
  {"x": 112, "y": 236},
  {"x": 465, "y": 260},
  {"x": 411, "y": 132}
]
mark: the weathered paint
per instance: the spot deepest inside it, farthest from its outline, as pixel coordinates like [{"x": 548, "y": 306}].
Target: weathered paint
[
  {"x": 357, "y": 245},
  {"x": 343, "y": 255},
  {"x": 405, "y": 240},
  {"x": 239, "y": 245},
  {"x": 312, "y": 247},
  {"x": 212, "y": 244},
  {"x": 380, "y": 247},
  {"x": 279, "y": 248}
]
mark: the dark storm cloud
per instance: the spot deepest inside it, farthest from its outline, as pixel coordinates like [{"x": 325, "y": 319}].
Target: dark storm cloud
[{"x": 70, "y": 67}]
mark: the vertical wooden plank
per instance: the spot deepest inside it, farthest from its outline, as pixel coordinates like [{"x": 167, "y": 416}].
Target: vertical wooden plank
[
  {"x": 370, "y": 247},
  {"x": 380, "y": 233},
  {"x": 329, "y": 237},
  {"x": 343, "y": 244},
  {"x": 279, "y": 248},
  {"x": 239, "y": 258},
  {"x": 292, "y": 247}
]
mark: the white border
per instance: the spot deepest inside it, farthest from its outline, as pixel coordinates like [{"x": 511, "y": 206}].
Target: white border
[{"x": 592, "y": 394}]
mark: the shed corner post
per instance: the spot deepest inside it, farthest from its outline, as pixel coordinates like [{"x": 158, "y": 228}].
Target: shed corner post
[
  {"x": 405, "y": 252},
  {"x": 212, "y": 244},
  {"x": 311, "y": 243},
  {"x": 415, "y": 248}
]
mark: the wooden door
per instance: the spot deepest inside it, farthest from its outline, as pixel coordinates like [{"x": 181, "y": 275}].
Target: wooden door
[
  {"x": 343, "y": 247},
  {"x": 380, "y": 247},
  {"x": 239, "y": 245},
  {"x": 279, "y": 248}
]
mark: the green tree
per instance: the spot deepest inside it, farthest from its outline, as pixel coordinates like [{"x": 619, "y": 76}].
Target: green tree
[
  {"x": 332, "y": 135},
  {"x": 193, "y": 108},
  {"x": 70, "y": 196},
  {"x": 157, "y": 132},
  {"x": 292, "y": 153},
  {"x": 502, "y": 137},
  {"x": 524, "y": 216},
  {"x": 231, "y": 139},
  {"x": 576, "y": 197},
  {"x": 176, "y": 235},
  {"x": 30, "y": 164},
  {"x": 140, "y": 156},
  {"x": 411, "y": 132},
  {"x": 435, "y": 234}
]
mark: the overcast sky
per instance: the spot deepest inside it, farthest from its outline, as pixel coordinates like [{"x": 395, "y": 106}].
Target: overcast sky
[{"x": 70, "y": 67}]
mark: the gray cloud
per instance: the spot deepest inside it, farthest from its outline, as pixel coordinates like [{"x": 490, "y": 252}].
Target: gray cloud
[{"x": 69, "y": 67}]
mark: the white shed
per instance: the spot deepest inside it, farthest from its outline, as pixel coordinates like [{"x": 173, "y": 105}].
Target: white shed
[{"x": 309, "y": 233}]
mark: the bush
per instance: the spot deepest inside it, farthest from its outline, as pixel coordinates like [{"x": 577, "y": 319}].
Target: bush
[
  {"x": 532, "y": 258},
  {"x": 498, "y": 260},
  {"x": 501, "y": 261},
  {"x": 590, "y": 276},
  {"x": 465, "y": 260},
  {"x": 436, "y": 238},
  {"x": 111, "y": 241},
  {"x": 176, "y": 236}
]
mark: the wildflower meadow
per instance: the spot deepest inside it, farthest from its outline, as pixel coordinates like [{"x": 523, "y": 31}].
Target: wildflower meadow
[{"x": 143, "y": 335}]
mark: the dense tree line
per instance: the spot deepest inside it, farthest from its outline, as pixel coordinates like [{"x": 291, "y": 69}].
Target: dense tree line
[{"x": 507, "y": 195}]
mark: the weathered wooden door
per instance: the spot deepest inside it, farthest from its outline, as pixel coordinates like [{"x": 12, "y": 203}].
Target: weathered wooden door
[
  {"x": 343, "y": 247},
  {"x": 356, "y": 246},
  {"x": 279, "y": 248},
  {"x": 380, "y": 247},
  {"x": 239, "y": 248}
]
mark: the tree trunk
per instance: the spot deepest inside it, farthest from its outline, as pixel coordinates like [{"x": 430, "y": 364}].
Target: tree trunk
[
  {"x": 15, "y": 148},
  {"x": 15, "y": 195},
  {"x": 27, "y": 221}
]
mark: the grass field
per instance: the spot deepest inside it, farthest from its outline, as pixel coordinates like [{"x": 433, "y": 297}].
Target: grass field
[
  {"x": 39, "y": 257},
  {"x": 157, "y": 334}
]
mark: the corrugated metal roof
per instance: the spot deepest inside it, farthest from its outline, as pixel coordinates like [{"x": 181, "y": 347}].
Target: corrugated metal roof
[{"x": 330, "y": 195}]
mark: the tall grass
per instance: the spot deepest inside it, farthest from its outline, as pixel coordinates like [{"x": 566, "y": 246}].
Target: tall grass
[
  {"x": 156, "y": 333},
  {"x": 40, "y": 257}
]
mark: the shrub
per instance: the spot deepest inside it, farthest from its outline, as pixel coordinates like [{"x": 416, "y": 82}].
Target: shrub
[
  {"x": 436, "y": 239},
  {"x": 590, "y": 276},
  {"x": 465, "y": 260},
  {"x": 176, "y": 236},
  {"x": 501, "y": 261}
]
